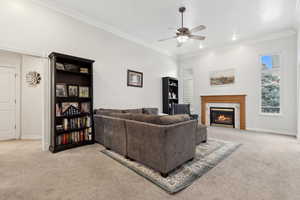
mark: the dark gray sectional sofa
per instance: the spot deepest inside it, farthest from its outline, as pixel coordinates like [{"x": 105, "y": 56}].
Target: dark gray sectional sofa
[{"x": 160, "y": 142}]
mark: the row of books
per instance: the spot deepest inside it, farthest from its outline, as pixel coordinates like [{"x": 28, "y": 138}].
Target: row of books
[
  {"x": 72, "y": 108},
  {"x": 71, "y": 68},
  {"x": 75, "y": 137},
  {"x": 69, "y": 124}
]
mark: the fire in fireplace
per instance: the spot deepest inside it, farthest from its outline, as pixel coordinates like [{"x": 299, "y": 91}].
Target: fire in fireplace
[{"x": 222, "y": 117}]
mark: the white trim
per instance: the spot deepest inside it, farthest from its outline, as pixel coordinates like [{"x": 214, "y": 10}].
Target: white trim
[
  {"x": 22, "y": 51},
  {"x": 281, "y": 57},
  {"x": 298, "y": 5},
  {"x": 236, "y": 107},
  {"x": 108, "y": 28},
  {"x": 19, "y": 100},
  {"x": 17, "y": 69},
  {"x": 31, "y": 137},
  {"x": 272, "y": 132},
  {"x": 270, "y": 114},
  {"x": 253, "y": 40},
  {"x": 46, "y": 107}
]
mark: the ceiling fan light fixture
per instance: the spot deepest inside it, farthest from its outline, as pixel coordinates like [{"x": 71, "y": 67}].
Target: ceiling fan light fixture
[
  {"x": 184, "y": 34},
  {"x": 234, "y": 37},
  {"x": 182, "y": 38}
]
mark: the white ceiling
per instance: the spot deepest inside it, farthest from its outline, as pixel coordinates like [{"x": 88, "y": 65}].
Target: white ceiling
[{"x": 148, "y": 20}]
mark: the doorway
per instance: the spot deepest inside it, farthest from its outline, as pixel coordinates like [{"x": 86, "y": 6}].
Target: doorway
[{"x": 8, "y": 103}]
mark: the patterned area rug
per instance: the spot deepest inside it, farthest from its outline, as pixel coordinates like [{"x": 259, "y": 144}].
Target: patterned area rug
[{"x": 208, "y": 155}]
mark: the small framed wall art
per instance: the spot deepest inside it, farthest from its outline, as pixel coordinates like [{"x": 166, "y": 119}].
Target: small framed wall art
[{"x": 134, "y": 79}]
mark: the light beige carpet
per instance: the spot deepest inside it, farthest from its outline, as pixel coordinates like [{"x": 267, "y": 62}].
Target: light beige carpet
[{"x": 266, "y": 167}]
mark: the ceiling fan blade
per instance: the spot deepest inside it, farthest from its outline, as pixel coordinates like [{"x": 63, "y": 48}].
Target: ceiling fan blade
[
  {"x": 197, "y": 37},
  {"x": 167, "y": 38},
  {"x": 198, "y": 28}
]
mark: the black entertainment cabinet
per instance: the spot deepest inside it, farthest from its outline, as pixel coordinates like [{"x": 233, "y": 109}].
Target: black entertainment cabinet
[
  {"x": 170, "y": 94},
  {"x": 72, "y": 123}
]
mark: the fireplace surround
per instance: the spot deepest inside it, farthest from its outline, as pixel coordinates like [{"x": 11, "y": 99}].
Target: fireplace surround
[
  {"x": 235, "y": 101},
  {"x": 221, "y": 116}
]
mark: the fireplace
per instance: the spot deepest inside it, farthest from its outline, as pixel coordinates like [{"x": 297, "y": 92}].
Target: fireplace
[{"x": 220, "y": 116}]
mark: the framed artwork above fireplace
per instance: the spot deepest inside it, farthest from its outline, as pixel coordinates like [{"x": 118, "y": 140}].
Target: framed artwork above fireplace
[{"x": 222, "y": 77}]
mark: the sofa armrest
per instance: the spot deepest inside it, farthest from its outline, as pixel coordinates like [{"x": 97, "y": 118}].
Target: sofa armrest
[
  {"x": 99, "y": 128},
  {"x": 113, "y": 133},
  {"x": 180, "y": 144},
  {"x": 157, "y": 145}
]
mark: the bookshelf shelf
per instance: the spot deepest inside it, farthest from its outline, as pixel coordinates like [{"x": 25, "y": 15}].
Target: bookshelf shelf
[
  {"x": 76, "y": 73},
  {"x": 70, "y": 109},
  {"x": 73, "y": 116},
  {"x": 68, "y": 99},
  {"x": 71, "y": 130},
  {"x": 68, "y": 146}
]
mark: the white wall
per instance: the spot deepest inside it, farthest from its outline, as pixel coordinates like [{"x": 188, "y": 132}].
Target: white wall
[
  {"x": 32, "y": 98},
  {"x": 245, "y": 59},
  {"x": 32, "y": 28}
]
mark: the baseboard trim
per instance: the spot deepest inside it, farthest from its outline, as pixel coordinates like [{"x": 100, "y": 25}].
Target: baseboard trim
[
  {"x": 46, "y": 147},
  {"x": 272, "y": 132},
  {"x": 31, "y": 137}
]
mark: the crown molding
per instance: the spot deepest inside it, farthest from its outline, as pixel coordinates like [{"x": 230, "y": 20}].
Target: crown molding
[
  {"x": 108, "y": 28},
  {"x": 252, "y": 40}
]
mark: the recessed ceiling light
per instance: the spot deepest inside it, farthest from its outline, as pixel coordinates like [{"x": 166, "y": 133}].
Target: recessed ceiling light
[
  {"x": 201, "y": 46},
  {"x": 16, "y": 5},
  {"x": 234, "y": 37}
]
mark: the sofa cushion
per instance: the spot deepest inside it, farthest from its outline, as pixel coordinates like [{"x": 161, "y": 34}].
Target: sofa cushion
[
  {"x": 135, "y": 111},
  {"x": 150, "y": 111},
  {"x": 172, "y": 119},
  {"x": 122, "y": 115},
  {"x": 147, "y": 118},
  {"x": 103, "y": 111}
]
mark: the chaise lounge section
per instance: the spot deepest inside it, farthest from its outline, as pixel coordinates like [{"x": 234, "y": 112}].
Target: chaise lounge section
[{"x": 160, "y": 142}]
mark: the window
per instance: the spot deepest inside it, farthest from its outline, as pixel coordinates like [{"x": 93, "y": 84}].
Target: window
[
  {"x": 270, "y": 84},
  {"x": 188, "y": 88}
]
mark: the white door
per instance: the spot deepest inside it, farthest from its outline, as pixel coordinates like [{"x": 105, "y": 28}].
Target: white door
[{"x": 7, "y": 103}]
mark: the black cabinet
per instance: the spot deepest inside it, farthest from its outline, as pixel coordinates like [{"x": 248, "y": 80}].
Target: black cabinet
[
  {"x": 170, "y": 94},
  {"x": 72, "y": 122}
]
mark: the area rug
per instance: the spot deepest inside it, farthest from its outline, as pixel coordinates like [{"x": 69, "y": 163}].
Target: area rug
[{"x": 208, "y": 155}]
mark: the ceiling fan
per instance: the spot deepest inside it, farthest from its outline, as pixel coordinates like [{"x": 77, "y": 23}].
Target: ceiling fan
[{"x": 183, "y": 34}]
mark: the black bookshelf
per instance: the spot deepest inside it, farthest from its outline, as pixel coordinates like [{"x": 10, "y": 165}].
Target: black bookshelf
[
  {"x": 72, "y": 123},
  {"x": 170, "y": 94}
]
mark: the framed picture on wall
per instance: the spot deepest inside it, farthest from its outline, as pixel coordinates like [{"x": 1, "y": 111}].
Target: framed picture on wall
[
  {"x": 134, "y": 79},
  {"x": 222, "y": 77}
]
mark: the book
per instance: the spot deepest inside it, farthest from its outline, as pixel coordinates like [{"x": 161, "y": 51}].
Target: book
[
  {"x": 70, "y": 108},
  {"x": 84, "y": 70},
  {"x": 58, "y": 110},
  {"x": 84, "y": 92},
  {"x": 85, "y": 107}
]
